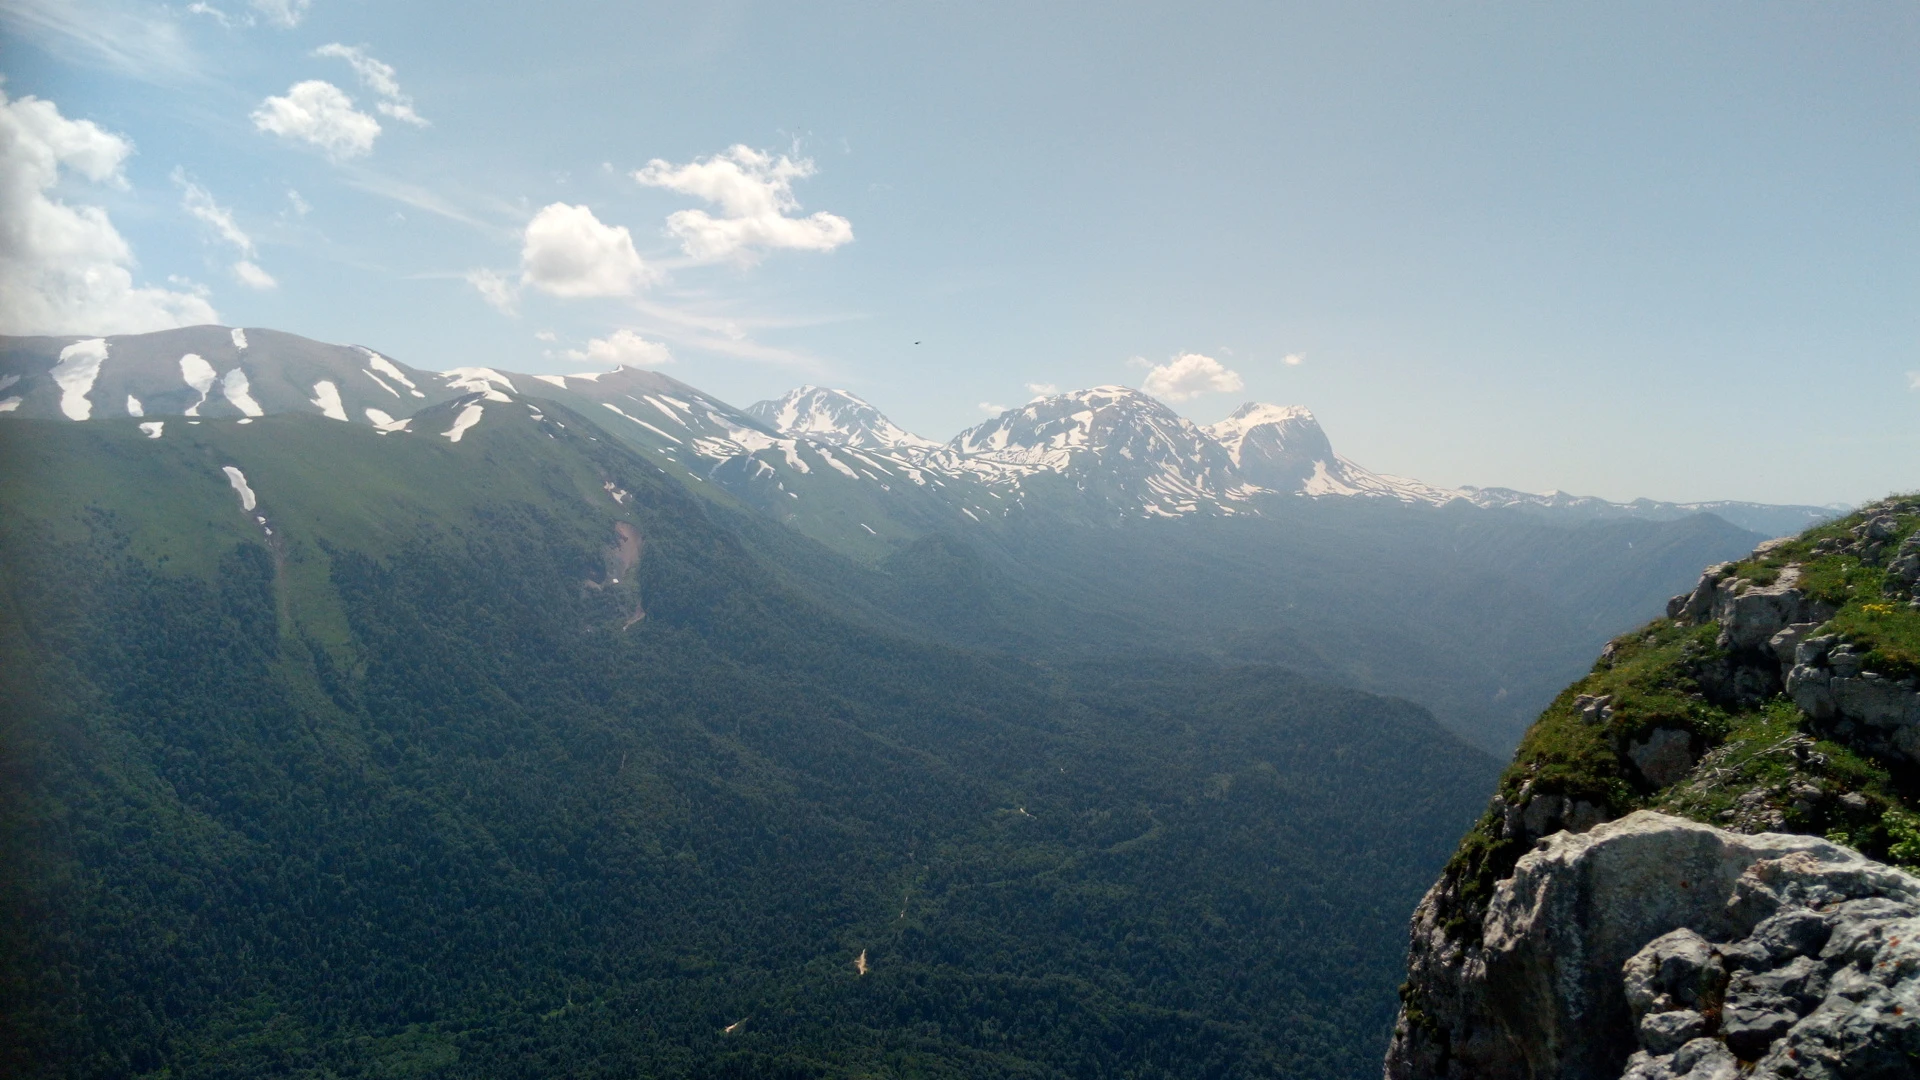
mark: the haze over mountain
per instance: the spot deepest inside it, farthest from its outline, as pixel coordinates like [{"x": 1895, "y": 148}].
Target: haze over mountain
[{"x": 1410, "y": 590}]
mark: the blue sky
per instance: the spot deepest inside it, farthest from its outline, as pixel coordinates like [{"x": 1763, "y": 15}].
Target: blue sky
[{"x": 1655, "y": 249}]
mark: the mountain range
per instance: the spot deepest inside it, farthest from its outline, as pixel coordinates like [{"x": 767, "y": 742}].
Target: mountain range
[
  {"x": 823, "y": 460},
  {"x": 366, "y": 720}
]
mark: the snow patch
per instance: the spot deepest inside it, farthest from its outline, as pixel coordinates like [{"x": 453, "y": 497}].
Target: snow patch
[
  {"x": 326, "y": 397},
  {"x": 8, "y": 381},
  {"x": 134, "y": 408},
  {"x": 553, "y": 380},
  {"x": 237, "y": 391},
  {"x": 368, "y": 372},
  {"x": 10, "y": 404},
  {"x": 386, "y": 367},
  {"x": 468, "y": 417},
  {"x": 641, "y": 422},
  {"x": 387, "y": 423},
  {"x": 239, "y": 481},
  {"x": 199, "y": 375},
  {"x": 478, "y": 380},
  {"x": 79, "y": 365},
  {"x": 152, "y": 428},
  {"x": 239, "y": 339}
]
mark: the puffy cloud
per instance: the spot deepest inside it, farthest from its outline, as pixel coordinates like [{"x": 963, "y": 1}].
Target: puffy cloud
[
  {"x": 1042, "y": 389},
  {"x": 199, "y": 202},
  {"x": 378, "y": 77},
  {"x": 496, "y": 290},
  {"x": 283, "y": 13},
  {"x": 569, "y": 252},
  {"x": 1188, "y": 376},
  {"x": 754, "y": 190},
  {"x": 991, "y": 409},
  {"x": 623, "y": 348},
  {"x": 320, "y": 113},
  {"x": 66, "y": 269},
  {"x": 1293, "y": 359}
]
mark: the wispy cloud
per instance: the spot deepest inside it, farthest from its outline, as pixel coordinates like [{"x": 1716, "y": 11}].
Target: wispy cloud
[
  {"x": 285, "y": 14},
  {"x": 199, "y": 202},
  {"x": 1913, "y": 380},
  {"x": 139, "y": 40},
  {"x": 991, "y": 409},
  {"x": 1042, "y": 389},
  {"x": 378, "y": 77},
  {"x": 1293, "y": 359}
]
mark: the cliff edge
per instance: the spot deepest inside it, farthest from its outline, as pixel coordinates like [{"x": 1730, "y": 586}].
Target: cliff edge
[{"x": 1694, "y": 866}]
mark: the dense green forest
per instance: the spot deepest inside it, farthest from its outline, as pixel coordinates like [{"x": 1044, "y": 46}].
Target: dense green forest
[{"x": 394, "y": 783}]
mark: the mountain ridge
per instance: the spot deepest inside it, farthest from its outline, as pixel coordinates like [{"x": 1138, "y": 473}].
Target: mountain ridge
[{"x": 824, "y": 460}]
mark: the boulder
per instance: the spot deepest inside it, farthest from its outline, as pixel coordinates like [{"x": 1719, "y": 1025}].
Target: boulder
[{"x": 1655, "y": 948}]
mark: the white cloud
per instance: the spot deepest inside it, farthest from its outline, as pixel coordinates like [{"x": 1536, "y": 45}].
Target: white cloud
[
  {"x": 1913, "y": 380},
  {"x": 320, "y": 113},
  {"x": 623, "y": 348},
  {"x": 378, "y": 77},
  {"x": 301, "y": 207},
  {"x": 568, "y": 251},
  {"x": 250, "y": 275},
  {"x": 991, "y": 409},
  {"x": 545, "y": 335},
  {"x": 1293, "y": 359},
  {"x": 211, "y": 12},
  {"x": 66, "y": 269},
  {"x": 1188, "y": 376},
  {"x": 754, "y": 190},
  {"x": 1043, "y": 389},
  {"x": 496, "y": 290},
  {"x": 283, "y": 13},
  {"x": 199, "y": 202}
]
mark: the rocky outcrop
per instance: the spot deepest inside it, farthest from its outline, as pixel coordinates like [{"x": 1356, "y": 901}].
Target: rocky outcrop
[
  {"x": 1654, "y": 948},
  {"x": 1769, "y": 634}
]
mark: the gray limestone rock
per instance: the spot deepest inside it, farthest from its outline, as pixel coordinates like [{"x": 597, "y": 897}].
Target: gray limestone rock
[{"x": 1653, "y": 948}]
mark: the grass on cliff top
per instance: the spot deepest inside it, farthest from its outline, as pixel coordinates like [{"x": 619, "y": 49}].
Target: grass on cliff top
[
  {"x": 1885, "y": 629},
  {"x": 1646, "y": 674},
  {"x": 1769, "y": 750}
]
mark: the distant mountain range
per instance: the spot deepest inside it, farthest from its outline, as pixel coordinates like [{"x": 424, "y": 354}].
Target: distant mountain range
[{"x": 823, "y": 460}]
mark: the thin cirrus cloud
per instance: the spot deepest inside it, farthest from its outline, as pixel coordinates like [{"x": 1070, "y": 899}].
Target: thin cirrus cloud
[
  {"x": 1913, "y": 380},
  {"x": 199, "y": 202},
  {"x": 319, "y": 113},
  {"x": 622, "y": 348},
  {"x": 378, "y": 77},
  {"x": 64, "y": 268},
  {"x": 754, "y": 193},
  {"x": 1189, "y": 375}
]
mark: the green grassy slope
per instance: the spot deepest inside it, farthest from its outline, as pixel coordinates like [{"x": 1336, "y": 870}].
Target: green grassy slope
[
  {"x": 1762, "y": 763},
  {"x": 401, "y": 788}
]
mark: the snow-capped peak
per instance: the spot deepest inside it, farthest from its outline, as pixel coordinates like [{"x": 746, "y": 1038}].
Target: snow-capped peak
[
  {"x": 1269, "y": 436},
  {"x": 834, "y": 417},
  {"x": 1282, "y": 447}
]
